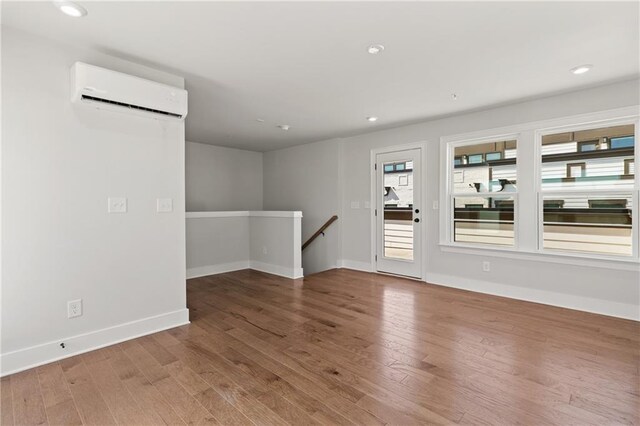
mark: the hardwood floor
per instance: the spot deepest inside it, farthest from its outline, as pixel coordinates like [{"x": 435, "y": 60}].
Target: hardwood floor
[{"x": 345, "y": 347}]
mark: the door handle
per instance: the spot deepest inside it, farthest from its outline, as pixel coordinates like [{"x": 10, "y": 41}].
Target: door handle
[{"x": 416, "y": 220}]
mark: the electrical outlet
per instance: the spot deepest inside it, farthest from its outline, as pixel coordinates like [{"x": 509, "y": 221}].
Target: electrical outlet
[
  {"x": 264, "y": 250},
  {"x": 355, "y": 204},
  {"x": 435, "y": 205},
  {"x": 486, "y": 266},
  {"x": 164, "y": 205},
  {"x": 367, "y": 204},
  {"x": 74, "y": 308},
  {"x": 117, "y": 205}
]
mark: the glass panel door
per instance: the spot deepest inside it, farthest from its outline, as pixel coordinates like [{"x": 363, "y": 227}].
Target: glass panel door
[{"x": 398, "y": 213}]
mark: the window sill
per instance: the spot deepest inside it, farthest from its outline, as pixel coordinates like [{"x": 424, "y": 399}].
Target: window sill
[{"x": 629, "y": 264}]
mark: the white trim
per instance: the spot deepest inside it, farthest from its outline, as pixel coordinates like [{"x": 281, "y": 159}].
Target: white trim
[
  {"x": 244, "y": 213},
  {"x": 620, "y": 116},
  {"x": 23, "y": 359},
  {"x": 199, "y": 215},
  {"x": 587, "y": 304},
  {"x": 202, "y": 271},
  {"x": 275, "y": 213},
  {"x": 612, "y": 114},
  {"x": 355, "y": 265},
  {"x": 282, "y": 271},
  {"x": 627, "y": 264}
]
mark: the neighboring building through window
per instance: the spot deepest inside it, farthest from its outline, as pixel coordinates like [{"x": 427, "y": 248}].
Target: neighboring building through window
[
  {"x": 484, "y": 186},
  {"x": 590, "y": 173}
]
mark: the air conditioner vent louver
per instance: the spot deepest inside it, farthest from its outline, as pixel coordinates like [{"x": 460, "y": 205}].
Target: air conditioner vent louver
[{"x": 138, "y": 107}]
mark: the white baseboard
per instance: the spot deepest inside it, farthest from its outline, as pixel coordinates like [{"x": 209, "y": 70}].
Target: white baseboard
[
  {"x": 202, "y": 271},
  {"x": 355, "y": 265},
  {"x": 580, "y": 303},
  {"x": 282, "y": 271},
  {"x": 23, "y": 359},
  {"x": 269, "y": 268}
]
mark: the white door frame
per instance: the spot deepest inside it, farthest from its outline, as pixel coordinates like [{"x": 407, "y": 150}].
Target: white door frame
[{"x": 373, "y": 197}]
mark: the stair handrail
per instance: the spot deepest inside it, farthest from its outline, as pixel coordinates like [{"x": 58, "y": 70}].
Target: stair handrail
[{"x": 320, "y": 231}]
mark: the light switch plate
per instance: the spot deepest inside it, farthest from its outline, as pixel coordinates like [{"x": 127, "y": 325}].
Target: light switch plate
[
  {"x": 355, "y": 204},
  {"x": 435, "y": 205},
  {"x": 164, "y": 205},
  {"x": 367, "y": 205},
  {"x": 117, "y": 205}
]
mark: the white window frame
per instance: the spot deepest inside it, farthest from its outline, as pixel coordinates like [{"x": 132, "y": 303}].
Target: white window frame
[
  {"x": 449, "y": 203},
  {"x": 529, "y": 137},
  {"x": 575, "y": 125}
]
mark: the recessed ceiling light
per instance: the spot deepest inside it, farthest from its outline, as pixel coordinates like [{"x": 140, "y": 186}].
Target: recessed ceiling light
[
  {"x": 260, "y": 120},
  {"x": 581, "y": 69},
  {"x": 284, "y": 126},
  {"x": 374, "y": 49},
  {"x": 70, "y": 8},
  {"x": 372, "y": 119}
]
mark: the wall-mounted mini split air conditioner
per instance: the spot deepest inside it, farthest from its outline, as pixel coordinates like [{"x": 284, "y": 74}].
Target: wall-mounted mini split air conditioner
[{"x": 106, "y": 89}]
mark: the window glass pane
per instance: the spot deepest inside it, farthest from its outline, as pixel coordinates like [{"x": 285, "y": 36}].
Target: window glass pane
[
  {"x": 400, "y": 166},
  {"x": 588, "y": 224},
  {"x": 398, "y": 213},
  {"x": 626, "y": 142},
  {"x": 475, "y": 159},
  {"x": 491, "y": 156},
  {"x": 388, "y": 168},
  {"x": 604, "y": 165},
  {"x": 484, "y": 220},
  {"x": 590, "y": 146},
  {"x": 485, "y": 167}
]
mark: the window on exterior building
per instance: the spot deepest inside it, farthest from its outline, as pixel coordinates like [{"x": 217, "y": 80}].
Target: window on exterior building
[
  {"x": 629, "y": 166},
  {"x": 587, "y": 146},
  {"x": 586, "y": 190},
  {"x": 492, "y": 156},
  {"x": 483, "y": 193},
  {"x": 576, "y": 170},
  {"x": 622, "y": 142},
  {"x": 476, "y": 159}
]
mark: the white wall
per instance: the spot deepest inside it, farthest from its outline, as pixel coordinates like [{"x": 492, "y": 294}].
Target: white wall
[
  {"x": 275, "y": 243},
  {"x": 222, "y": 179},
  {"x": 268, "y": 241},
  {"x": 217, "y": 244},
  {"x": 60, "y": 162},
  {"x": 306, "y": 177}
]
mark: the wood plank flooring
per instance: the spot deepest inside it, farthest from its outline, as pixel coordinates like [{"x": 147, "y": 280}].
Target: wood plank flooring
[{"x": 346, "y": 347}]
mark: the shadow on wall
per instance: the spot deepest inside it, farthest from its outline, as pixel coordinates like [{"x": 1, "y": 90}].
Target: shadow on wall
[{"x": 322, "y": 253}]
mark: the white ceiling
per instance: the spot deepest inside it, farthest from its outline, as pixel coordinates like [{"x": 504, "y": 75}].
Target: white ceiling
[{"x": 305, "y": 63}]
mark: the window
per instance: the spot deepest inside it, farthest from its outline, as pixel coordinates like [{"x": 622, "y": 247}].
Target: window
[
  {"x": 483, "y": 193},
  {"x": 622, "y": 142},
  {"x": 587, "y": 146},
  {"x": 476, "y": 159},
  {"x": 587, "y": 205},
  {"x": 576, "y": 170},
  {"x": 398, "y": 167},
  {"x": 629, "y": 166},
  {"x": 491, "y": 156},
  {"x": 538, "y": 191}
]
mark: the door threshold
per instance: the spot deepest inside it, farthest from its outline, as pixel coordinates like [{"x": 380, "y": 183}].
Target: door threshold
[{"x": 391, "y": 274}]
